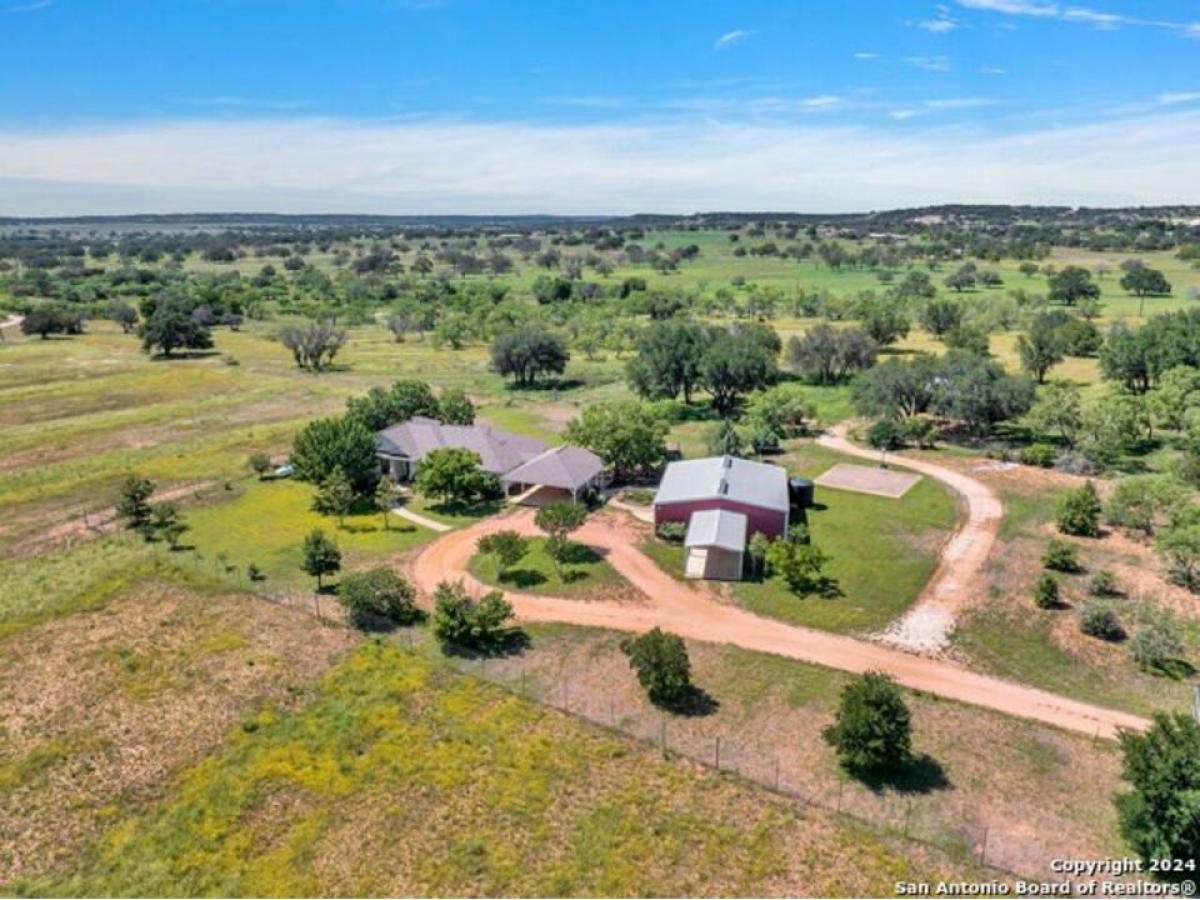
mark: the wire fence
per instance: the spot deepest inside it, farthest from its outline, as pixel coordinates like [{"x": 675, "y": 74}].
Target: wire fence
[{"x": 700, "y": 739}]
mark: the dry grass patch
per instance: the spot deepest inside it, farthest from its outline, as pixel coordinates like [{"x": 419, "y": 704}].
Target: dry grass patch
[{"x": 103, "y": 706}]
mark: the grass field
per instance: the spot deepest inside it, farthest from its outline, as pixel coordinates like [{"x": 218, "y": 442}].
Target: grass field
[
  {"x": 397, "y": 775},
  {"x": 266, "y": 525},
  {"x": 586, "y": 575},
  {"x": 1032, "y": 788}
]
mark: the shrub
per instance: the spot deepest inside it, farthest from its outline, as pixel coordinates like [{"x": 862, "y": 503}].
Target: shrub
[
  {"x": 1060, "y": 556},
  {"x": 1104, "y": 584},
  {"x": 378, "y": 596},
  {"x": 460, "y": 622},
  {"x": 1045, "y": 592},
  {"x": 873, "y": 727},
  {"x": 1079, "y": 511},
  {"x": 661, "y": 662},
  {"x": 133, "y": 502},
  {"x": 638, "y": 496},
  {"x": 1156, "y": 646},
  {"x": 886, "y": 434},
  {"x": 1040, "y": 455},
  {"x": 321, "y": 556},
  {"x": 254, "y": 573},
  {"x": 1158, "y": 816},
  {"x": 1099, "y": 620},
  {"x": 674, "y": 532},
  {"x": 259, "y": 463},
  {"x": 798, "y": 562},
  {"x": 507, "y": 547}
]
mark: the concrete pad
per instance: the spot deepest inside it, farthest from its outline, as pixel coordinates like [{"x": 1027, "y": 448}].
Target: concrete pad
[{"x": 892, "y": 483}]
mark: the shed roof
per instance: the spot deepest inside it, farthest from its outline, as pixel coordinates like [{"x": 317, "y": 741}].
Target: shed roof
[
  {"x": 500, "y": 451},
  {"x": 717, "y": 528},
  {"x": 725, "y": 477},
  {"x": 567, "y": 467}
]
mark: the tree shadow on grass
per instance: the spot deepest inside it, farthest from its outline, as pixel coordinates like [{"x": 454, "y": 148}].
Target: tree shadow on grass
[
  {"x": 359, "y": 528},
  {"x": 184, "y": 354},
  {"x": 522, "y": 578},
  {"x": 920, "y": 774},
  {"x": 1175, "y": 669},
  {"x": 581, "y": 555},
  {"x": 695, "y": 702},
  {"x": 513, "y": 642},
  {"x": 477, "y": 510},
  {"x": 375, "y": 624}
]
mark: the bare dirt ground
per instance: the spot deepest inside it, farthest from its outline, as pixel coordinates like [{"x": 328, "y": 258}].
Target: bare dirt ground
[
  {"x": 101, "y": 708},
  {"x": 694, "y": 611},
  {"x": 958, "y": 582},
  {"x": 104, "y": 521}
]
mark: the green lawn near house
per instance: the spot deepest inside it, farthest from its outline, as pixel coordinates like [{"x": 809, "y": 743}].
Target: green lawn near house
[{"x": 265, "y": 525}]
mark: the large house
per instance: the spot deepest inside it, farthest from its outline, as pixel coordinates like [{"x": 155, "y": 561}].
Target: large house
[
  {"x": 723, "y": 500},
  {"x": 520, "y": 462}
]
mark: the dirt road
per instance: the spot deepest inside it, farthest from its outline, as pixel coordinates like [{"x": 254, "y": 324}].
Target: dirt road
[
  {"x": 958, "y": 579},
  {"x": 693, "y": 611}
]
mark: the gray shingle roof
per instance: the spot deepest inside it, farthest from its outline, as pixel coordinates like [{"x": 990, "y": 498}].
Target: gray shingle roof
[
  {"x": 728, "y": 477},
  {"x": 717, "y": 528},
  {"x": 569, "y": 468},
  {"x": 500, "y": 451}
]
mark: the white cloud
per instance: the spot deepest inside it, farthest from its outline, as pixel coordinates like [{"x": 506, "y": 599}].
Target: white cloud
[
  {"x": 929, "y": 63},
  {"x": 597, "y": 101},
  {"x": 29, "y": 7},
  {"x": 1179, "y": 97},
  {"x": 1105, "y": 21},
  {"x": 993, "y": 70},
  {"x": 1012, "y": 7},
  {"x": 862, "y": 54},
  {"x": 729, "y": 38},
  {"x": 943, "y": 23},
  {"x": 939, "y": 105},
  {"x": 328, "y": 165}
]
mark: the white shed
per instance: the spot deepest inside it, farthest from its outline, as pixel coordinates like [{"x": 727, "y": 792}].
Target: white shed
[{"x": 716, "y": 544}]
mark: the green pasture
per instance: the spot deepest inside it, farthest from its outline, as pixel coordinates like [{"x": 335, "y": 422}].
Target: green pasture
[{"x": 585, "y": 575}]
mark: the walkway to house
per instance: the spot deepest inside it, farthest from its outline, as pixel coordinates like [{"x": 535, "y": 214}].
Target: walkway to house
[
  {"x": 958, "y": 580},
  {"x": 694, "y": 611},
  {"x": 417, "y": 519}
]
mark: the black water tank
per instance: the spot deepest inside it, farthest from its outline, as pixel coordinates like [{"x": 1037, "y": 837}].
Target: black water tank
[{"x": 803, "y": 491}]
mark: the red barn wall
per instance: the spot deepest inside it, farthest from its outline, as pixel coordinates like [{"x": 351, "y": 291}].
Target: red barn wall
[{"x": 770, "y": 522}]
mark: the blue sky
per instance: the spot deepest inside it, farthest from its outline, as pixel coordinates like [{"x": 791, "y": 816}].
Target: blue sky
[{"x": 518, "y": 106}]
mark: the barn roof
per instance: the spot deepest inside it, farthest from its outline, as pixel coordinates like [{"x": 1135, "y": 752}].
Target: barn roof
[
  {"x": 500, "y": 451},
  {"x": 569, "y": 468},
  {"x": 717, "y": 528},
  {"x": 724, "y": 477}
]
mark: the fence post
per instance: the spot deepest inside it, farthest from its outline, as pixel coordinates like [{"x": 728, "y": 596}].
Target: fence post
[
  {"x": 777, "y": 773},
  {"x": 838, "y": 808},
  {"x": 983, "y": 847},
  {"x": 524, "y": 693},
  {"x": 663, "y": 734},
  {"x": 907, "y": 817},
  {"x": 717, "y": 753}
]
